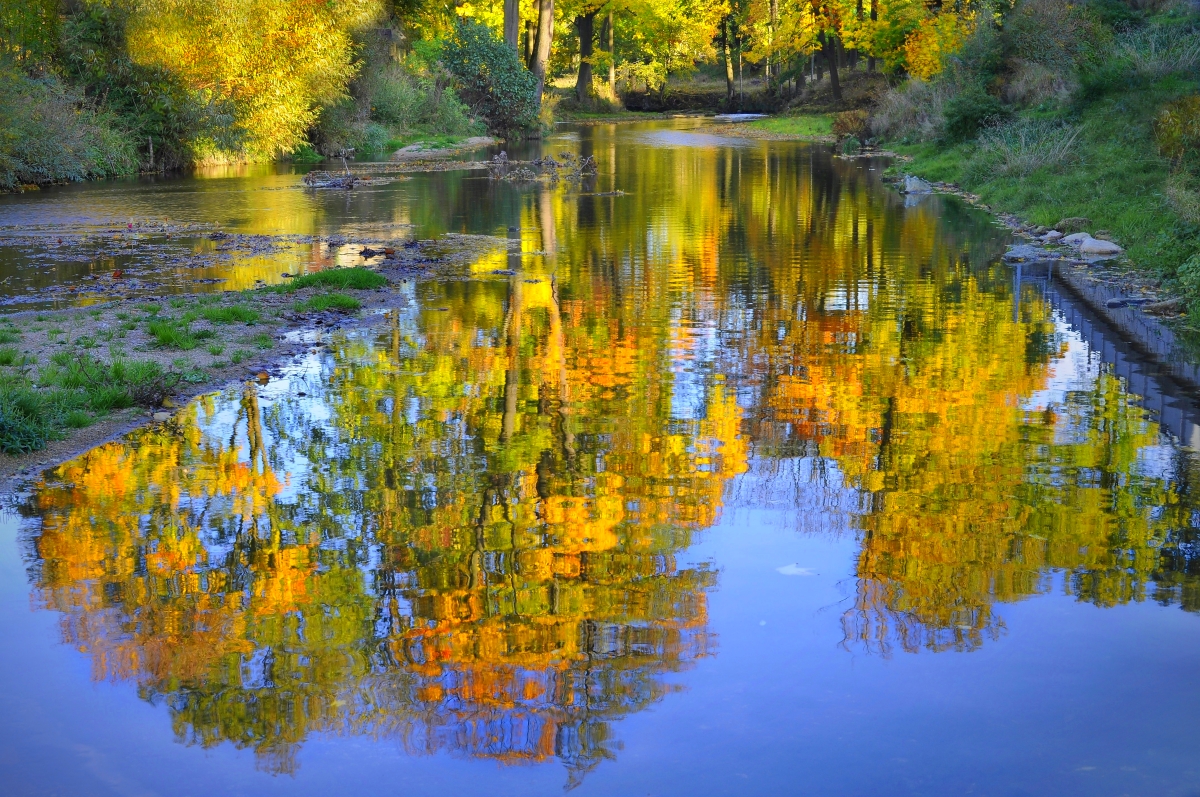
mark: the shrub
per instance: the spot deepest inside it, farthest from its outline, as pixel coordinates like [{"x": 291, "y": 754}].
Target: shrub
[
  {"x": 1177, "y": 128},
  {"x": 1032, "y": 84},
  {"x": 1027, "y": 145},
  {"x": 49, "y": 135},
  {"x": 969, "y": 111},
  {"x": 850, "y": 123},
  {"x": 491, "y": 78},
  {"x": 912, "y": 112}
]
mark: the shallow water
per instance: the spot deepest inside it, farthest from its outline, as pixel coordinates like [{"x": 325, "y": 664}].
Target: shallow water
[{"x": 755, "y": 479}]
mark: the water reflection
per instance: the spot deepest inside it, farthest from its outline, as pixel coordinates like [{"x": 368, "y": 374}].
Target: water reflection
[{"x": 464, "y": 530}]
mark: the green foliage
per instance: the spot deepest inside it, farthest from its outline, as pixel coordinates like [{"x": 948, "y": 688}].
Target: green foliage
[
  {"x": 329, "y": 301},
  {"x": 971, "y": 110},
  {"x": 819, "y": 124},
  {"x": 359, "y": 279},
  {"x": 49, "y": 135},
  {"x": 491, "y": 78},
  {"x": 28, "y": 30}
]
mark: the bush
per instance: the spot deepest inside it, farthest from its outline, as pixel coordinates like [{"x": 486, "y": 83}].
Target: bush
[
  {"x": 969, "y": 111},
  {"x": 491, "y": 78},
  {"x": 49, "y": 135},
  {"x": 912, "y": 112},
  {"x": 851, "y": 123},
  {"x": 1177, "y": 128}
]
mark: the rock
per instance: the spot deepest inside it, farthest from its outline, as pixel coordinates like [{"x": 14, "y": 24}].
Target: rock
[
  {"x": 1115, "y": 303},
  {"x": 1165, "y": 307},
  {"x": 1102, "y": 235},
  {"x": 1073, "y": 224},
  {"x": 162, "y": 416},
  {"x": 1028, "y": 253},
  {"x": 1039, "y": 230},
  {"x": 915, "y": 185},
  {"x": 1051, "y": 236},
  {"x": 1093, "y": 246},
  {"x": 1075, "y": 239}
]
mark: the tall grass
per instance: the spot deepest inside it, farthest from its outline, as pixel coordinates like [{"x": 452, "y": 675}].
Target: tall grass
[
  {"x": 1026, "y": 145},
  {"x": 1160, "y": 50}
]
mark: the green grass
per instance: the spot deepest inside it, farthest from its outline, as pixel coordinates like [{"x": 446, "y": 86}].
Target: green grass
[
  {"x": 215, "y": 349},
  {"x": 359, "y": 279},
  {"x": 9, "y": 336},
  {"x": 239, "y": 356},
  {"x": 329, "y": 301},
  {"x": 262, "y": 340},
  {"x": 236, "y": 314},
  {"x": 10, "y": 356},
  {"x": 817, "y": 124},
  {"x": 171, "y": 334},
  {"x": 72, "y": 393},
  {"x": 1117, "y": 181}
]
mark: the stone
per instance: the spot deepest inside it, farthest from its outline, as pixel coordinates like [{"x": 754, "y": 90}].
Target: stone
[
  {"x": 1073, "y": 224},
  {"x": 1075, "y": 239},
  {"x": 1040, "y": 230},
  {"x": 1102, "y": 235},
  {"x": 1051, "y": 236},
  {"x": 1028, "y": 253},
  {"x": 162, "y": 416},
  {"x": 1113, "y": 304},
  {"x": 1166, "y": 307},
  {"x": 915, "y": 185},
  {"x": 1093, "y": 246}
]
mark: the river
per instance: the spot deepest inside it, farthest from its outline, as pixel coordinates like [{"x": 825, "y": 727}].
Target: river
[{"x": 752, "y": 477}]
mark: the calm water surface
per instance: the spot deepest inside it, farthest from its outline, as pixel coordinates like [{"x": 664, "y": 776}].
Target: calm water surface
[{"x": 752, "y": 480}]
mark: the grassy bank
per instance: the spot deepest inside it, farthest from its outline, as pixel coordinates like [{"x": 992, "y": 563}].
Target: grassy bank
[
  {"x": 66, "y": 371},
  {"x": 817, "y": 125},
  {"x": 1079, "y": 133}
]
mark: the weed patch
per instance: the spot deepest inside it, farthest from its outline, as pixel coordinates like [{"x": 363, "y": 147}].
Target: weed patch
[
  {"x": 329, "y": 301},
  {"x": 358, "y": 279}
]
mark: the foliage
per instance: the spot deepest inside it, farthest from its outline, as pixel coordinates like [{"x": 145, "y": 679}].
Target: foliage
[
  {"x": 48, "y": 135},
  {"x": 329, "y": 301},
  {"x": 491, "y": 79},
  {"x": 28, "y": 30},
  {"x": 273, "y": 61},
  {"x": 971, "y": 110},
  {"x": 1177, "y": 129},
  {"x": 850, "y": 123}
]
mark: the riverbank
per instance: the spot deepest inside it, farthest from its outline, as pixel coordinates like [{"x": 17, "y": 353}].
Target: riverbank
[{"x": 71, "y": 379}]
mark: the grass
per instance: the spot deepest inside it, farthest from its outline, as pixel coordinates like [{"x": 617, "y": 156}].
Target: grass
[
  {"x": 72, "y": 393},
  {"x": 171, "y": 334},
  {"x": 359, "y": 279},
  {"x": 236, "y": 314},
  {"x": 817, "y": 124},
  {"x": 1118, "y": 182},
  {"x": 262, "y": 340},
  {"x": 329, "y": 301},
  {"x": 9, "y": 336}
]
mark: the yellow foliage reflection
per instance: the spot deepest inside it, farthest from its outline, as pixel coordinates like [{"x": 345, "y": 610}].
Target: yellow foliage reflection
[{"x": 467, "y": 536}]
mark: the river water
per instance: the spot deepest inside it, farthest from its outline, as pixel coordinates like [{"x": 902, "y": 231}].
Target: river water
[{"x": 752, "y": 479}]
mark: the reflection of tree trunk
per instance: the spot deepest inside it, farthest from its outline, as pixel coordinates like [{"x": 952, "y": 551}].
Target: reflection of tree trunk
[
  {"x": 512, "y": 23},
  {"x": 584, "y": 26},
  {"x": 541, "y": 47},
  {"x": 829, "y": 50},
  {"x": 559, "y": 341},
  {"x": 512, "y": 376}
]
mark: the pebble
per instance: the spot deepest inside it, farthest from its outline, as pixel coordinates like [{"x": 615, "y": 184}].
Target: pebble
[
  {"x": 1095, "y": 246},
  {"x": 162, "y": 416}
]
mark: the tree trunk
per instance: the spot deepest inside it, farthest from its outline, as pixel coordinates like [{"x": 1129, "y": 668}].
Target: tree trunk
[
  {"x": 541, "y": 47},
  {"x": 611, "y": 40},
  {"x": 584, "y": 26},
  {"x": 728, "y": 52},
  {"x": 874, "y": 18},
  {"x": 512, "y": 24},
  {"x": 773, "y": 65},
  {"x": 829, "y": 50},
  {"x": 529, "y": 36}
]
